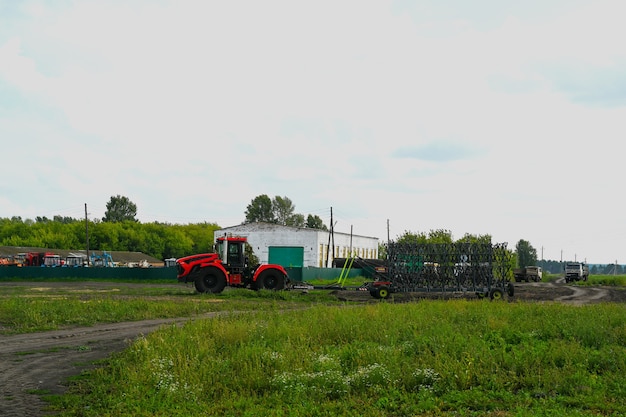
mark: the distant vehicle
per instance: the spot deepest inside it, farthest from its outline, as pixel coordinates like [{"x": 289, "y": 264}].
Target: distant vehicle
[
  {"x": 52, "y": 261},
  {"x": 576, "y": 271},
  {"x": 74, "y": 261},
  {"x": 36, "y": 258},
  {"x": 527, "y": 274},
  {"x": 105, "y": 260}
]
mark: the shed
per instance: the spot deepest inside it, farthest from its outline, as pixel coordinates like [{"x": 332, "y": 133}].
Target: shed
[{"x": 297, "y": 247}]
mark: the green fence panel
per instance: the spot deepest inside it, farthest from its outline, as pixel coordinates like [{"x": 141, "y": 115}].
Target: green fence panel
[
  {"x": 312, "y": 272},
  {"x": 295, "y": 274},
  {"x": 89, "y": 273}
]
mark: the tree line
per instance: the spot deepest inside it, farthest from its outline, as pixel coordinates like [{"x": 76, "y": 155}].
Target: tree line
[
  {"x": 119, "y": 230},
  {"x": 280, "y": 210},
  {"x": 159, "y": 240}
]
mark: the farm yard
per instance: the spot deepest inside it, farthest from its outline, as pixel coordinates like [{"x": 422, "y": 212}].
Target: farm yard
[{"x": 114, "y": 348}]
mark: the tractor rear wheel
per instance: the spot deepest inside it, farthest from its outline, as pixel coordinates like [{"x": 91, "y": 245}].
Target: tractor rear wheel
[
  {"x": 210, "y": 280},
  {"x": 270, "y": 279}
]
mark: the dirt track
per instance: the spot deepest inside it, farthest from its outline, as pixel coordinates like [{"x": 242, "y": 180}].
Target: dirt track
[{"x": 37, "y": 363}]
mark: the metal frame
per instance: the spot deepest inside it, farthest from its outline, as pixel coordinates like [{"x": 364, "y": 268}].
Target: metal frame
[{"x": 469, "y": 267}]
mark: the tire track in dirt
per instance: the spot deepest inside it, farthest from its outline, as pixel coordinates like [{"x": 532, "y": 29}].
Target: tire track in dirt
[
  {"x": 583, "y": 295},
  {"x": 36, "y": 363}
]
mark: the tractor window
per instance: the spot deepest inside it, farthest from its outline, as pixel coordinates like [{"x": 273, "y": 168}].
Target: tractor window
[{"x": 234, "y": 254}]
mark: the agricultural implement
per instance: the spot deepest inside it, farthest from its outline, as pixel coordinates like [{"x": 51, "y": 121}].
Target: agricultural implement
[{"x": 480, "y": 268}]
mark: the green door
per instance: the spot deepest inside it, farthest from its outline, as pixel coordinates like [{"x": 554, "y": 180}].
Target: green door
[{"x": 289, "y": 257}]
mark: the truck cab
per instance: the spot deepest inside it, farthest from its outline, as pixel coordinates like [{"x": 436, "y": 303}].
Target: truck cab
[{"x": 576, "y": 271}]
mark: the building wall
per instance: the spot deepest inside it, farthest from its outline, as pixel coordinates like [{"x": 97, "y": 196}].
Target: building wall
[{"x": 315, "y": 242}]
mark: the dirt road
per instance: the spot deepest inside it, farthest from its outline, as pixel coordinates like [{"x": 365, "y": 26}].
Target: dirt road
[{"x": 37, "y": 363}]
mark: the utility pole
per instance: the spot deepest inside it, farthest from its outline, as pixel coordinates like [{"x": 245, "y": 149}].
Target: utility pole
[
  {"x": 332, "y": 230},
  {"x": 388, "y": 232},
  {"x": 330, "y": 234},
  {"x": 87, "y": 233}
]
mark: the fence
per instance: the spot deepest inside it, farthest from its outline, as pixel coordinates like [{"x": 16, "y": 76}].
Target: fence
[{"x": 30, "y": 272}]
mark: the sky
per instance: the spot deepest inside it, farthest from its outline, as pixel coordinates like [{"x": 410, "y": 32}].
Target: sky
[{"x": 494, "y": 117}]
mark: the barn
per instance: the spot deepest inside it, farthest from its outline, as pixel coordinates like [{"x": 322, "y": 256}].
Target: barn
[{"x": 298, "y": 247}]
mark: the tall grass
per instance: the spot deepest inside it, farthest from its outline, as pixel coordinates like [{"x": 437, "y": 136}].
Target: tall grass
[
  {"x": 23, "y": 315},
  {"x": 610, "y": 280},
  {"x": 430, "y": 358},
  {"x": 30, "y": 309}
]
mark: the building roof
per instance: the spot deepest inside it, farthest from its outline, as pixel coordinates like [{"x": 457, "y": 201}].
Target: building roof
[
  {"x": 118, "y": 256},
  {"x": 263, "y": 226}
]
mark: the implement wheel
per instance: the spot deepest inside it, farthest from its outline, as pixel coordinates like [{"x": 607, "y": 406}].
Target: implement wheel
[
  {"x": 381, "y": 292},
  {"x": 210, "y": 280},
  {"x": 496, "y": 294},
  {"x": 510, "y": 289}
]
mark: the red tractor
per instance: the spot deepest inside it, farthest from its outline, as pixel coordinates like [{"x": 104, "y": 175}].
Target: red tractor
[{"x": 212, "y": 272}]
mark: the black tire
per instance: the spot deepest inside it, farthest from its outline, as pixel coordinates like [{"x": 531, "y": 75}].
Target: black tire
[
  {"x": 510, "y": 289},
  {"x": 382, "y": 292},
  {"x": 210, "y": 280},
  {"x": 270, "y": 279},
  {"x": 496, "y": 294}
]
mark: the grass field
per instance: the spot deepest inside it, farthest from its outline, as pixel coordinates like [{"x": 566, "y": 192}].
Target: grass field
[
  {"x": 289, "y": 354},
  {"x": 611, "y": 280},
  {"x": 430, "y": 358}
]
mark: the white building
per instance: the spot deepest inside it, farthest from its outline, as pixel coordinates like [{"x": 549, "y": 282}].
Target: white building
[{"x": 301, "y": 247}]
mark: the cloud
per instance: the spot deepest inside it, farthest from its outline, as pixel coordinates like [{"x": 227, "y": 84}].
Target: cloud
[
  {"x": 603, "y": 86},
  {"x": 439, "y": 151}
]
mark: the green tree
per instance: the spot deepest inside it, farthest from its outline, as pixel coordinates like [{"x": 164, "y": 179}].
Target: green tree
[
  {"x": 315, "y": 222},
  {"x": 526, "y": 254},
  {"x": 283, "y": 209},
  {"x": 434, "y": 236},
  {"x": 482, "y": 239},
  {"x": 177, "y": 243},
  {"x": 260, "y": 210},
  {"x": 296, "y": 220},
  {"x": 119, "y": 209},
  {"x": 253, "y": 260}
]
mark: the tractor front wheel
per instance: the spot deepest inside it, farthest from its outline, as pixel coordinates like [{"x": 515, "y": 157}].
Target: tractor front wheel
[
  {"x": 211, "y": 280},
  {"x": 270, "y": 280}
]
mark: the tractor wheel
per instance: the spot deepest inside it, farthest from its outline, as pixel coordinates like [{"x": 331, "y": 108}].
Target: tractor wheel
[
  {"x": 210, "y": 280},
  {"x": 382, "y": 292},
  {"x": 270, "y": 279},
  {"x": 496, "y": 294}
]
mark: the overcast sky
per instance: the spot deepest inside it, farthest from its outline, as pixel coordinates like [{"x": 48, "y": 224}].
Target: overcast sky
[{"x": 496, "y": 117}]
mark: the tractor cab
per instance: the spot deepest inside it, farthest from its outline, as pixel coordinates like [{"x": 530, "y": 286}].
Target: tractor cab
[{"x": 231, "y": 251}]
